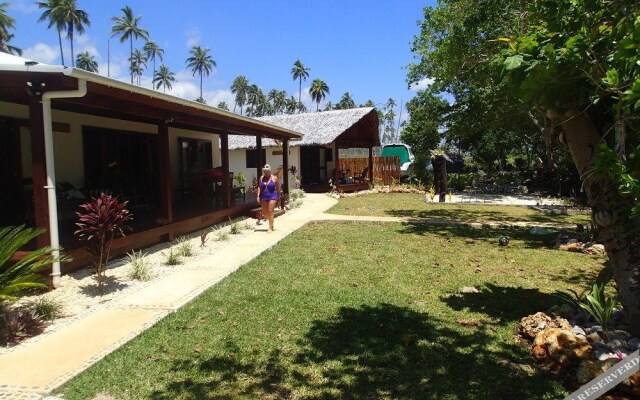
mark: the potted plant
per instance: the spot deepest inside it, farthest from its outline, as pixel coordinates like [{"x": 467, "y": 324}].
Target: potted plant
[{"x": 240, "y": 179}]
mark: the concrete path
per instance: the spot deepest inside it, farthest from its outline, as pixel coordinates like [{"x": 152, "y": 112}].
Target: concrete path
[{"x": 44, "y": 363}]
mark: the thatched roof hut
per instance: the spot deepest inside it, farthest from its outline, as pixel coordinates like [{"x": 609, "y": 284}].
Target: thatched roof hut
[{"x": 356, "y": 127}]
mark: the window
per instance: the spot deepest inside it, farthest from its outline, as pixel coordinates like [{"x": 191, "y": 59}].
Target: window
[
  {"x": 328, "y": 155},
  {"x": 251, "y": 157}
]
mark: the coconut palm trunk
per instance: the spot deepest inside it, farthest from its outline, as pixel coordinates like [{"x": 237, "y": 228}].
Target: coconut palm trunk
[
  {"x": 610, "y": 212},
  {"x": 60, "y": 43},
  {"x": 131, "y": 55}
]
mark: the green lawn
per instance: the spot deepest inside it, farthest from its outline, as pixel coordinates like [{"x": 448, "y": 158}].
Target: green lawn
[
  {"x": 345, "y": 310},
  {"x": 414, "y": 205}
]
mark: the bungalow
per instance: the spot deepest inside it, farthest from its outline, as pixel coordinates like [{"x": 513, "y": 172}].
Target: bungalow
[
  {"x": 316, "y": 155},
  {"x": 67, "y": 134}
]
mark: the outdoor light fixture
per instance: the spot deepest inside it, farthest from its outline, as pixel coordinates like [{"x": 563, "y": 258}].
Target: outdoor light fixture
[{"x": 30, "y": 63}]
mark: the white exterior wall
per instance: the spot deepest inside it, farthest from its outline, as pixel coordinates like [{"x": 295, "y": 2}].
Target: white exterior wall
[
  {"x": 68, "y": 151},
  {"x": 238, "y": 162}
]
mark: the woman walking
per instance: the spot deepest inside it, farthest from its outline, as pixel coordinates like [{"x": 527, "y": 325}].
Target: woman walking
[{"x": 268, "y": 189}]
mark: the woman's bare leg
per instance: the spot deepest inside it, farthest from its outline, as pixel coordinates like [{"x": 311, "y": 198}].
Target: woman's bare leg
[
  {"x": 264, "y": 208},
  {"x": 272, "y": 206}
]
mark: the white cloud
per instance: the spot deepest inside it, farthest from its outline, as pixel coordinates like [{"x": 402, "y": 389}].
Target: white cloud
[
  {"x": 42, "y": 52},
  {"x": 422, "y": 84},
  {"x": 216, "y": 96},
  {"x": 193, "y": 36},
  {"x": 23, "y": 6}
]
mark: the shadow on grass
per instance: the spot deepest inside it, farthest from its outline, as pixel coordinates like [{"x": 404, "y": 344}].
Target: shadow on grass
[
  {"x": 473, "y": 215},
  {"x": 582, "y": 277},
  {"x": 507, "y": 304},
  {"x": 384, "y": 351}
]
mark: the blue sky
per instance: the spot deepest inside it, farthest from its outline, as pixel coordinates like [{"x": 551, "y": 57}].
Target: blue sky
[{"x": 355, "y": 46}]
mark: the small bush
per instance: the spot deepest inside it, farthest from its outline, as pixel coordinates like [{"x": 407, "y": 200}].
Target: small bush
[
  {"x": 140, "y": 269},
  {"x": 295, "y": 194},
  {"x": 18, "y": 324},
  {"x": 172, "y": 258},
  {"x": 184, "y": 247},
  {"x": 235, "y": 229},
  {"x": 220, "y": 234},
  {"x": 295, "y": 204},
  {"x": 45, "y": 308}
]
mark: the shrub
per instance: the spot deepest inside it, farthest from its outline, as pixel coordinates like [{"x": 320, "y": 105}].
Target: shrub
[
  {"x": 295, "y": 194},
  {"x": 18, "y": 324},
  {"x": 184, "y": 247},
  {"x": 295, "y": 204},
  {"x": 220, "y": 234},
  {"x": 139, "y": 268},
  {"x": 15, "y": 278},
  {"x": 172, "y": 258},
  {"x": 102, "y": 220},
  {"x": 45, "y": 308},
  {"x": 594, "y": 303}
]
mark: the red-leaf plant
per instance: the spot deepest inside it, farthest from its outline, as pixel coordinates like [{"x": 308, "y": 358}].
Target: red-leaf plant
[{"x": 101, "y": 220}]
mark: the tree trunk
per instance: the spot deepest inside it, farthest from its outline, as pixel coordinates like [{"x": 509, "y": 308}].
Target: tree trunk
[
  {"x": 610, "y": 211},
  {"x": 439, "y": 163}
]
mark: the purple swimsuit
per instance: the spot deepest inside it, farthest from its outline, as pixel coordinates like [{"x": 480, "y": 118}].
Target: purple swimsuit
[{"x": 268, "y": 190}]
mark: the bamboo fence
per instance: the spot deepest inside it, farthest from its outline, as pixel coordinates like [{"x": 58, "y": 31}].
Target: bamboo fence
[{"x": 386, "y": 170}]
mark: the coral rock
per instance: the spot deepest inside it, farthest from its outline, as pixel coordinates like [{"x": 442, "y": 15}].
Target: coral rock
[
  {"x": 531, "y": 325},
  {"x": 558, "y": 349}
]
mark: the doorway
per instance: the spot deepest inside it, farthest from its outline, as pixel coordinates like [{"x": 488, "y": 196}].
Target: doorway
[
  {"x": 310, "y": 164},
  {"x": 12, "y": 194}
]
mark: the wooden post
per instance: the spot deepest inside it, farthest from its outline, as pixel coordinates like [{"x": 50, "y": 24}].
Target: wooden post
[
  {"x": 39, "y": 169},
  {"x": 285, "y": 166},
  {"x": 164, "y": 166},
  {"x": 259, "y": 160},
  {"x": 226, "y": 183},
  {"x": 336, "y": 169},
  {"x": 371, "y": 166}
]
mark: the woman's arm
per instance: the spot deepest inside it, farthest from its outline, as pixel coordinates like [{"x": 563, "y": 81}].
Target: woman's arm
[
  {"x": 258, "y": 190},
  {"x": 277, "y": 182}
]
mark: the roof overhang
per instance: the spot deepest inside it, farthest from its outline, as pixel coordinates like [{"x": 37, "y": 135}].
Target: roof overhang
[{"x": 111, "y": 98}]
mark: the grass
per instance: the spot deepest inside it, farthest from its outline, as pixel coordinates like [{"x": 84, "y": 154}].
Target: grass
[
  {"x": 358, "y": 311},
  {"x": 414, "y": 205}
]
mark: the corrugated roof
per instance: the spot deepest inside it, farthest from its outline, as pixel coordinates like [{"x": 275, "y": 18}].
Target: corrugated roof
[{"x": 317, "y": 128}]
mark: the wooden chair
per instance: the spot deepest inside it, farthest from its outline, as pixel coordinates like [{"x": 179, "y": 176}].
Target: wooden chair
[{"x": 363, "y": 177}]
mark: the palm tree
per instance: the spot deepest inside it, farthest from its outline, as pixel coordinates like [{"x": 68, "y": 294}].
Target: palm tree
[
  {"x": 239, "y": 87},
  {"x": 290, "y": 105},
  {"x": 163, "y": 77},
  {"x": 391, "y": 103},
  {"x": 346, "y": 102},
  {"x": 86, "y": 62},
  {"x": 299, "y": 72},
  {"x": 328, "y": 107},
  {"x": 53, "y": 15},
  {"x": 75, "y": 19},
  {"x": 318, "y": 91},
  {"x": 6, "y": 23},
  {"x": 200, "y": 62},
  {"x": 127, "y": 27},
  {"x": 138, "y": 63},
  {"x": 153, "y": 51},
  {"x": 369, "y": 103},
  {"x": 223, "y": 106}
]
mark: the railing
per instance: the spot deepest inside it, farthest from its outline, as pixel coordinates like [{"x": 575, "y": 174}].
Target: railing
[{"x": 385, "y": 169}]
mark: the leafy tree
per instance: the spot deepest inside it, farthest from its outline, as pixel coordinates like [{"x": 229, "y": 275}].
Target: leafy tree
[
  {"x": 572, "y": 61},
  {"x": 86, "y": 62},
  {"x": 6, "y": 23},
  {"x": 54, "y": 16},
  {"x": 200, "y": 63},
  {"x": 127, "y": 27},
  {"x": 164, "y": 77},
  {"x": 578, "y": 61},
  {"x": 318, "y": 91},
  {"x": 223, "y": 106},
  {"x": 299, "y": 72},
  {"x": 239, "y": 87},
  {"x": 153, "y": 51}
]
